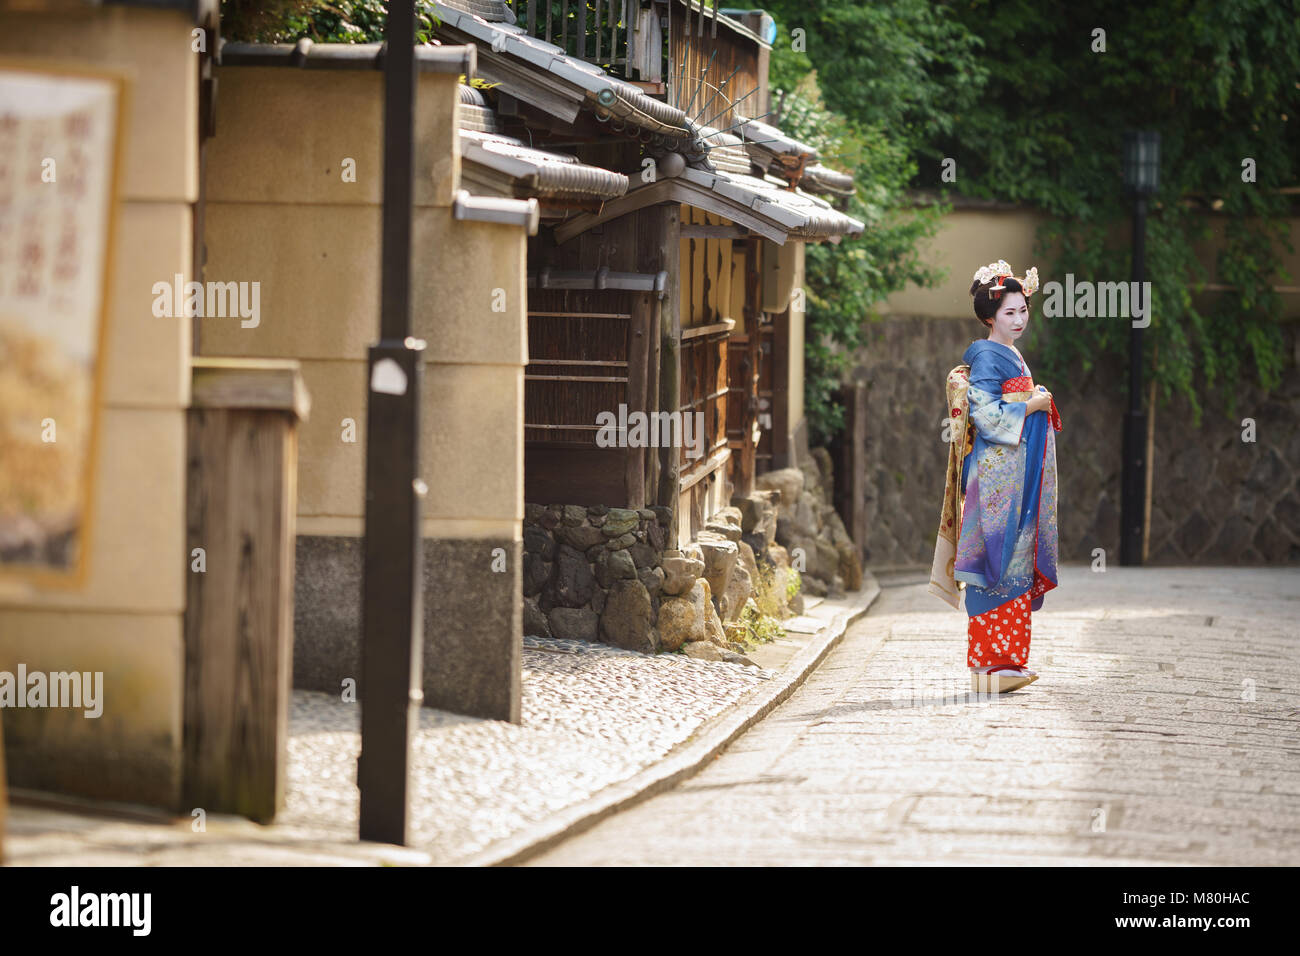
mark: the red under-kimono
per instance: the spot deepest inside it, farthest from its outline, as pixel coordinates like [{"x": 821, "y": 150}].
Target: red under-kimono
[{"x": 1000, "y": 636}]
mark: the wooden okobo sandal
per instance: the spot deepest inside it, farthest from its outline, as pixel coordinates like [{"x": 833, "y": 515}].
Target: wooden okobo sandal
[{"x": 991, "y": 682}]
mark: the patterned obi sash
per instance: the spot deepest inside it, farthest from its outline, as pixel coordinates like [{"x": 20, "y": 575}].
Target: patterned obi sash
[{"x": 1021, "y": 389}]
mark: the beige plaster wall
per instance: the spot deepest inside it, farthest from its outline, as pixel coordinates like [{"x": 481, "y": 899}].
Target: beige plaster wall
[
  {"x": 127, "y": 620},
  {"x": 279, "y": 212},
  {"x": 969, "y": 238}
]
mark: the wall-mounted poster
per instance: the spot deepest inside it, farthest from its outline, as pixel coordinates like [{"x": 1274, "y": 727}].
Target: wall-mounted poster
[{"x": 60, "y": 139}]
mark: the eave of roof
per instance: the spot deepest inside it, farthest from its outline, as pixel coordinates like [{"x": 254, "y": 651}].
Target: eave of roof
[
  {"x": 543, "y": 75},
  {"x": 765, "y": 143},
  {"x": 345, "y": 56},
  {"x": 761, "y": 206},
  {"x": 726, "y": 21},
  {"x": 805, "y": 216},
  {"x": 823, "y": 179},
  {"x": 792, "y": 160},
  {"x": 539, "y": 173}
]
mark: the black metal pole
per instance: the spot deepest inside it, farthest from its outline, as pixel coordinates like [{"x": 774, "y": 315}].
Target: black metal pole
[
  {"x": 1133, "y": 486},
  {"x": 392, "y": 609}
]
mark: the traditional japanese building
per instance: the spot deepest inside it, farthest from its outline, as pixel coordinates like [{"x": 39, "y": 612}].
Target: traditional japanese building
[
  {"x": 665, "y": 323},
  {"x": 714, "y": 203}
]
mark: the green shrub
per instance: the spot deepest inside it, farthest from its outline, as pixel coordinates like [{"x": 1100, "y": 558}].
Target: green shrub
[
  {"x": 760, "y": 628},
  {"x": 793, "y": 586}
]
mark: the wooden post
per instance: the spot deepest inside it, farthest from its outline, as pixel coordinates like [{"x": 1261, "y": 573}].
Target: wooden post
[
  {"x": 658, "y": 248},
  {"x": 746, "y": 391},
  {"x": 782, "y": 454},
  {"x": 241, "y": 504},
  {"x": 670, "y": 391},
  {"x": 638, "y": 346},
  {"x": 652, "y": 394},
  {"x": 851, "y": 469}
]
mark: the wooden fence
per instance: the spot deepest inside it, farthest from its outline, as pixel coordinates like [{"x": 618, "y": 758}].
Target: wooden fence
[{"x": 591, "y": 30}]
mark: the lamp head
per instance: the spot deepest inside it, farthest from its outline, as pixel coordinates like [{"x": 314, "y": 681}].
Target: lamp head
[{"x": 1142, "y": 162}]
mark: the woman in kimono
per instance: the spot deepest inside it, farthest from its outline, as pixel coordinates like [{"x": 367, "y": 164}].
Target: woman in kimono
[{"x": 1006, "y": 551}]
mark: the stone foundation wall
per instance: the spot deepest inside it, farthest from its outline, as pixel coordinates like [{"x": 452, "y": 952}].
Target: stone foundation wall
[
  {"x": 810, "y": 529},
  {"x": 594, "y": 574},
  {"x": 471, "y": 620},
  {"x": 1215, "y": 498},
  {"x": 609, "y": 575}
]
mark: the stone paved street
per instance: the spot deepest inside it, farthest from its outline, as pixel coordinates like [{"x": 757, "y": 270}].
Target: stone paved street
[
  {"x": 593, "y": 715},
  {"x": 1165, "y": 728}
]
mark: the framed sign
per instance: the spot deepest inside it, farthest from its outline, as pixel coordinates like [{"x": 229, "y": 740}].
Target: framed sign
[{"x": 60, "y": 147}]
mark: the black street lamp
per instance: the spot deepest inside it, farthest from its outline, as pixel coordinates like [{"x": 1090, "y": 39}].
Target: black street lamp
[{"x": 1141, "y": 180}]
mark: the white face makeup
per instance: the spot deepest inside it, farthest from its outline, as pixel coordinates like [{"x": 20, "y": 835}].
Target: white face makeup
[{"x": 1011, "y": 319}]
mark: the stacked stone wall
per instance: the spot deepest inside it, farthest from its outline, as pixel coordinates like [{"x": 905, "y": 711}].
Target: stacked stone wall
[{"x": 607, "y": 574}]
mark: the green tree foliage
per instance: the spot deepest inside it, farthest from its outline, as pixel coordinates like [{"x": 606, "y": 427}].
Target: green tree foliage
[
  {"x": 846, "y": 283},
  {"x": 343, "y": 21},
  {"x": 1221, "y": 82},
  {"x": 871, "y": 86},
  {"x": 905, "y": 67},
  {"x": 1018, "y": 92}
]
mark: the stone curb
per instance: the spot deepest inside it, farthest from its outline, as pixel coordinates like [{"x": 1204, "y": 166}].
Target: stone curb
[{"x": 688, "y": 758}]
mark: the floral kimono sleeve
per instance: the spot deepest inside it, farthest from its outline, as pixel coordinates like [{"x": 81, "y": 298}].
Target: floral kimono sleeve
[{"x": 997, "y": 421}]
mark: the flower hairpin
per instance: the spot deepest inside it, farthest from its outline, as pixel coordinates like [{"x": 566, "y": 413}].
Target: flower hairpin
[
  {"x": 992, "y": 271},
  {"x": 999, "y": 272},
  {"x": 1030, "y": 282}
]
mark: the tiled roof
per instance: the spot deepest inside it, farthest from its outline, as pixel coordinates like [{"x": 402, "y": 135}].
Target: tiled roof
[
  {"x": 543, "y": 75},
  {"x": 799, "y": 214},
  {"x": 726, "y": 152},
  {"x": 768, "y": 145},
  {"x": 494, "y": 11},
  {"x": 823, "y": 179},
  {"x": 493, "y": 160},
  {"x": 307, "y": 55},
  {"x": 782, "y": 155},
  {"x": 536, "y": 172},
  {"x": 474, "y": 112}
]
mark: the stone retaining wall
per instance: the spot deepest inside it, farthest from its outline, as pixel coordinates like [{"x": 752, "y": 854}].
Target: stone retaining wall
[
  {"x": 594, "y": 573},
  {"x": 606, "y": 574},
  {"x": 810, "y": 529}
]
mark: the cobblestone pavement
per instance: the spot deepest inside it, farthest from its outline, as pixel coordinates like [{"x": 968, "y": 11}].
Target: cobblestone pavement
[
  {"x": 593, "y": 715},
  {"x": 1165, "y": 728}
]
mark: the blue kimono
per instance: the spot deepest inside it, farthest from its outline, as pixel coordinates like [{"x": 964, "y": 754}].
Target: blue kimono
[{"x": 1008, "y": 543}]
